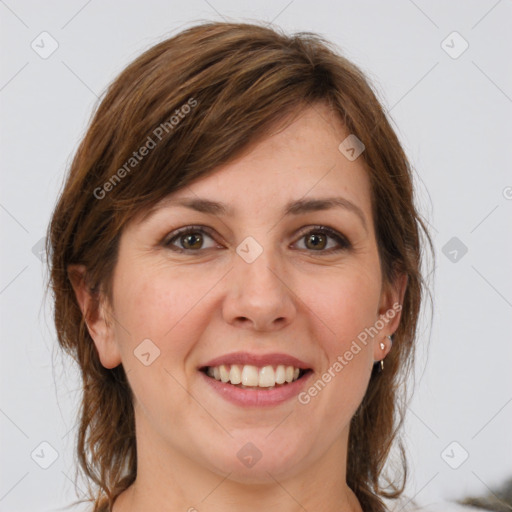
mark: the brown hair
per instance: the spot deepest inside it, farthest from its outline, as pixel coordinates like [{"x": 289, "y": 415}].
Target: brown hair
[{"x": 237, "y": 80}]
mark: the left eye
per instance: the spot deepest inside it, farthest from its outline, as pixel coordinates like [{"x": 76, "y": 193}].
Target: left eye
[{"x": 316, "y": 239}]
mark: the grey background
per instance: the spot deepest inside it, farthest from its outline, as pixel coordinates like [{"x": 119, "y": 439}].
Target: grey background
[{"x": 453, "y": 116}]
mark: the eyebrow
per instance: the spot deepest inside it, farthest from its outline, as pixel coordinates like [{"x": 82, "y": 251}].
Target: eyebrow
[{"x": 297, "y": 207}]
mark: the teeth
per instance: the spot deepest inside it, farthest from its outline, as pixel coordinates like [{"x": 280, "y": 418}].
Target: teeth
[
  {"x": 267, "y": 377},
  {"x": 224, "y": 373},
  {"x": 248, "y": 376},
  {"x": 235, "y": 374},
  {"x": 280, "y": 374}
]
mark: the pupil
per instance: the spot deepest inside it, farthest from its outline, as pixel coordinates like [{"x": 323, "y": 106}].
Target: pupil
[
  {"x": 316, "y": 243},
  {"x": 192, "y": 237}
]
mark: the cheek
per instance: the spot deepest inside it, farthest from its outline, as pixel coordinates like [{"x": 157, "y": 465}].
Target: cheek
[
  {"x": 159, "y": 303},
  {"x": 345, "y": 303}
]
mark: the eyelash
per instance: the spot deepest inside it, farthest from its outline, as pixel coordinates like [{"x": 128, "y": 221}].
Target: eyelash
[{"x": 343, "y": 242}]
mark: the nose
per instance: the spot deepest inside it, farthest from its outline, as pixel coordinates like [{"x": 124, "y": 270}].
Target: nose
[{"x": 259, "y": 294}]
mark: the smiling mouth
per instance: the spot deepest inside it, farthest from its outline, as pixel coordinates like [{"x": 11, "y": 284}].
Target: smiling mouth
[{"x": 254, "y": 377}]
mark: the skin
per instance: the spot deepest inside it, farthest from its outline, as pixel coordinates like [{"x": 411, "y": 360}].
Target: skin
[{"x": 306, "y": 302}]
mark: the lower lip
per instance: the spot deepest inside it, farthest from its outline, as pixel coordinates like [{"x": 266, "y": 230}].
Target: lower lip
[{"x": 257, "y": 397}]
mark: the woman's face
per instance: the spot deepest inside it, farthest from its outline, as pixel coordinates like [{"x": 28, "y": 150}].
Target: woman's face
[{"x": 259, "y": 285}]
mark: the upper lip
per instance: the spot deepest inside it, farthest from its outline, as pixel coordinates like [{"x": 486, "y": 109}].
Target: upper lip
[{"x": 244, "y": 358}]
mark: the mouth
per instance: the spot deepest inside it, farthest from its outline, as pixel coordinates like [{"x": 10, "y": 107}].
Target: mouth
[{"x": 256, "y": 377}]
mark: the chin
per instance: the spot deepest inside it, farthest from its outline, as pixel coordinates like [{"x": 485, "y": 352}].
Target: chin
[{"x": 251, "y": 465}]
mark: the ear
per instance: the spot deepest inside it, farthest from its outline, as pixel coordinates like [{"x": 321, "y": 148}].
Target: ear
[
  {"x": 95, "y": 311},
  {"x": 390, "y": 312}
]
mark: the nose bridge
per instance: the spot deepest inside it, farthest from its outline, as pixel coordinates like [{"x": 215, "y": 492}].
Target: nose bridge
[
  {"x": 257, "y": 291},
  {"x": 257, "y": 265}
]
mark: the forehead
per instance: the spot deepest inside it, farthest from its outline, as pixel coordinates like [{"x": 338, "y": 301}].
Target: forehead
[{"x": 299, "y": 162}]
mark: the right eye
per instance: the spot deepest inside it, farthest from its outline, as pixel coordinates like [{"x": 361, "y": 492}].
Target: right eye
[{"x": 190, "y": 239}]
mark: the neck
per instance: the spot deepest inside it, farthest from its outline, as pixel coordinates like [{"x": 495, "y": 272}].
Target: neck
[
  {"x": 169, "y": 480},
  {"x": 227, "y": 496}
]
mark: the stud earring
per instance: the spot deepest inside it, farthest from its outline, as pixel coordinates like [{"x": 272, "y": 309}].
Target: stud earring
[{"x": 383, "y": 346}]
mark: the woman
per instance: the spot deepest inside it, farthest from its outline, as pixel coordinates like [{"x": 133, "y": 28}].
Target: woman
[{"x": 235, "y": 261}]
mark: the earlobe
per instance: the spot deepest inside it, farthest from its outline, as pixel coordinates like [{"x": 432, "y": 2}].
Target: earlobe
[{"x": 95, "y": 314}]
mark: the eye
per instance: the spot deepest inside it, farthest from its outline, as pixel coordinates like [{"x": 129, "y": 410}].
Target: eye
[
  {"x": 316, "y": 239},
  {"x": 190, "y": 238}
]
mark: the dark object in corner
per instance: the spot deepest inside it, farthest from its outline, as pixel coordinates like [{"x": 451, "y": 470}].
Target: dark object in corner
[{"x": 498, "y": 500}]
